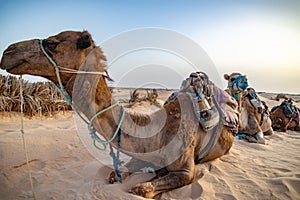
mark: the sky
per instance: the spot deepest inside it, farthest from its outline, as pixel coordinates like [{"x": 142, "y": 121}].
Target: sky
[{"x": 259, "y": 38}]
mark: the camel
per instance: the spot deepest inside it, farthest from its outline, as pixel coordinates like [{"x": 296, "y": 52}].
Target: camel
[
  {"x": 285, "y": 116},
  {"x": 171, "y": 138},
  {"x": 254, "y": 114},
  {"x": 151, "y": 96}
]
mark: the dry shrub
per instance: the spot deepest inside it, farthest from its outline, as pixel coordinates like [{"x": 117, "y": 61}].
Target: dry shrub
[{"x": 40, "y": 98}]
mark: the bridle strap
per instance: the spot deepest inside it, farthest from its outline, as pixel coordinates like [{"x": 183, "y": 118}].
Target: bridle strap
[{"x": 61, "y": 87}]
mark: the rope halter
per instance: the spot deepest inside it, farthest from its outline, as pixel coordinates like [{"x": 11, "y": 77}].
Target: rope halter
[
  {"x": 237, "y": 85},
  {"x": 65, "y": 95},
  {"x": 91, "y": 129}
]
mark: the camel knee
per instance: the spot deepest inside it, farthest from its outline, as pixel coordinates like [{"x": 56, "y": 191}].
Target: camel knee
[
  {"x": 179, "y": 179},
  {"x": 188, "y": 177}
]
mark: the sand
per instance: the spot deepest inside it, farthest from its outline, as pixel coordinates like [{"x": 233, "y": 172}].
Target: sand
[{"x": 62, "y": 168}]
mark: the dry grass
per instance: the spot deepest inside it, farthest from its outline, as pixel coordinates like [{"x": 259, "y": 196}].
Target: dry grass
[{"x": 40, "y": 98}]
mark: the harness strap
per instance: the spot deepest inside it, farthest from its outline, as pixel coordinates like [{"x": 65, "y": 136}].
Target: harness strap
[
  {"x": 214, "y": 135},
  {"x": 261, "y": 118},
  {"x": 197, "y": 99},
  {"x": 116, "y": 158}
]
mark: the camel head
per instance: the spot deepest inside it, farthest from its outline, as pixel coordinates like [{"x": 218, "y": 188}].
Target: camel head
[
  {"x": 237, "y": 83},
  {"x": 67, "y": 49}
]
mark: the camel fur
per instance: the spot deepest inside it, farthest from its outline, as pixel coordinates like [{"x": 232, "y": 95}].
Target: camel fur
[{"x": 170, "y": 138}]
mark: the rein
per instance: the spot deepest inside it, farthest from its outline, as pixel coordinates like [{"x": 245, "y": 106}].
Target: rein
[{"x": 91, "y": 129}]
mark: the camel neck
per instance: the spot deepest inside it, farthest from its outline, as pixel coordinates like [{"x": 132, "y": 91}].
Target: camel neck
[{"x": 91, "y": 95}]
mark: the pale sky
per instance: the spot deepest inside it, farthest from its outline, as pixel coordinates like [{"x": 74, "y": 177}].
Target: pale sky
[{"x": 260, "y": 38}]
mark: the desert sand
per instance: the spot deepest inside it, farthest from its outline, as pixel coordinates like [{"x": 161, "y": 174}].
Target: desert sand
[{"x": 62, "y": 168}]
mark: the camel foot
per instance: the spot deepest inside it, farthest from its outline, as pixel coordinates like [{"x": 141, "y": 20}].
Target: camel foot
[
  {"x": 251, "y": 139},
  {"x": 114, "y": 178},
  {"x": 260, "y": 138},
  {"x": 143, "y": 189}
]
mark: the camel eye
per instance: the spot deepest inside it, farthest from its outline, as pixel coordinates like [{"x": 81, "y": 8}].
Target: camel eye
[{"x": 51, "y": 45}]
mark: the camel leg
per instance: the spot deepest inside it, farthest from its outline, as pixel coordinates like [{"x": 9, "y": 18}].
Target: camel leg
[
  {"x": 260, "y": 138},
  {"x": 287, "y": 125},
  {"x": 180, "y": 173}
]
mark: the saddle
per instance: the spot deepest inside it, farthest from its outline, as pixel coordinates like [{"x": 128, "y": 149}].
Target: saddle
[{"x": 201, "y": 89}]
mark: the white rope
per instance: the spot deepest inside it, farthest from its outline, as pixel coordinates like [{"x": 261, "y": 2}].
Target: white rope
[
  {"x": 73, "y": 71},
  {"x": 23, "y": 139}
]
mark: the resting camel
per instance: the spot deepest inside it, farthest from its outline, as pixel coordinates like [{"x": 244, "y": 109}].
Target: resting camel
[
  {"x": 151, "y": 96},
  {"x": 171, "y": 138},
  {"x": 285, "y": 116},
  {"x": 254, "y": 114}
]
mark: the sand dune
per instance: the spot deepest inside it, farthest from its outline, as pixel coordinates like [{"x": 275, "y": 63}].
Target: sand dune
[{"x": 62, "y": 168}]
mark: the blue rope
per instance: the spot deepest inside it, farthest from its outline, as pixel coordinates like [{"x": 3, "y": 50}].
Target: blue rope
[
  {"x": 62, "y": 91},
  {"x": 91, "y": 129},
  {"x": 116, "y": 159}
]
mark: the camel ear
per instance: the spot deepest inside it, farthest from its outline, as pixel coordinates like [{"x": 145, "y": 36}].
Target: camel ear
[
  {"x": 226, "y": 76},
  {"x": 84, "y": 41}
]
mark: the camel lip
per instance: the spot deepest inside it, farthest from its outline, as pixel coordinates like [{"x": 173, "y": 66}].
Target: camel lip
[{"x": 9, "y": 66}]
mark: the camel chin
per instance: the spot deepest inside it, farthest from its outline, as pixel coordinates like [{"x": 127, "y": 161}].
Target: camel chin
[{"x": 15, "y": 71}]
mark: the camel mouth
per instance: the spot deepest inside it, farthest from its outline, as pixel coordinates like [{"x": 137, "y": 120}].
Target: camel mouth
[
  {"x": 8, "y": 66},
  {"x": 12, "y": 67}
]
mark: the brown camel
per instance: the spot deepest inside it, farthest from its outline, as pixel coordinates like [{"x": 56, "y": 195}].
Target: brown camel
[
  {"x": 254, "y": 114},
  {"x": 285, "y": 116},
  {"x": 171, "y": 138}
]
